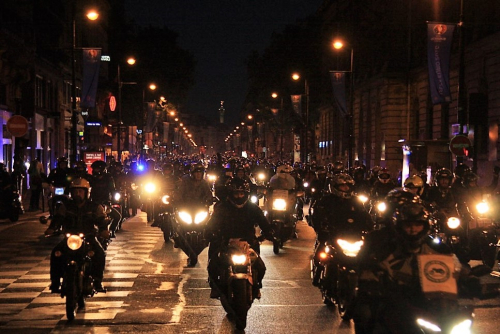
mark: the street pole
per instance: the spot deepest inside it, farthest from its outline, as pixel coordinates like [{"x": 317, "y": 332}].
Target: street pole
[
  {"x": 118, "y": 139},
  {"x": 461, "y": 111},
  {"x": 281, "y": 130},
  {"x": 306, "y": 87},
  {"x": 350, "y": 116},
  {"x": 74, "y": 115}
]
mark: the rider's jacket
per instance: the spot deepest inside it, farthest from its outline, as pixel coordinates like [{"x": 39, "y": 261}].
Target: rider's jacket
[
  {"x": 60, "y": 177},
  {"x": 87, "y": 219},
  {"x": 103, "y": 187},
  {"x": 333, "y": 214},
  {"x": 228, "y": 221},
  {"x": 442, "y": 198},
  {"x": 191, "y": 191}
]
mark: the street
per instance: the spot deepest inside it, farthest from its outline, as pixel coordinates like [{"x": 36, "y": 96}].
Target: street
[{"x": 150, "y": 289}]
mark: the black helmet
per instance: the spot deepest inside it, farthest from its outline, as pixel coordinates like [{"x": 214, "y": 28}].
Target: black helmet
[
  {"x": 443, "y": 173},
  {"x": 80, "y": 166},
  {"x": 237, "y": 185},
  {"x": 468, "y": 178},
  {"x": 197, "y": 167},
  {"x": 338, "y": 180},
  {"x": 460, "y": 170},
  {"x": 399, "y": 196},
  {"x": 412, "y": 213},
  {"x": 62, "y": 162},
  {"x": 98, "y": 167}
]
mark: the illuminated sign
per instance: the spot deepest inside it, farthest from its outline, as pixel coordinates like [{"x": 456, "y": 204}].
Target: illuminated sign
[
  {"x": 112, "y": 103},
  {"x": 105, "y": 58},
  {"x": 93, "y": 123}
]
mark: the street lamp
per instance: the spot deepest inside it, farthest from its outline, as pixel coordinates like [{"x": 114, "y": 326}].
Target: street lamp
[
  {"x": 296, "y": 77},
  {"x": 338, "y": 45},
  {"x": 91, "y": 15},
  {"x": 275, "y": 96},
  {"x": 130, "y": 61}
]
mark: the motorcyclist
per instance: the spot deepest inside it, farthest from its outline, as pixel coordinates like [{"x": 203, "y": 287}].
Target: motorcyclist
[
  {"x": 59, "y": 177},
  {"x": 168, "y": 183},
  {"x": 337, "y": 211},
  {"x": 440, "y": 194},
  {"x": 103, "y": 187},
  {"x": 415, "y": 184},
  {"x": 79, "y": 215},
  {"x": 389, "y": 277},
  {"x": 383, "y": 185},
  {"x": 235, "y": 217},
  {"x": 361, "y": 184},
  {"x": 80, "y": 170},
  {"x": 282, "y": 179},
  {"x": 193, "y": 188}
]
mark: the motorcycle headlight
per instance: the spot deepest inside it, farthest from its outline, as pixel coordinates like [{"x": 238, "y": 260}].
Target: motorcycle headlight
[
  {"x": 239, "y": 259},
  {"x": 428, "y": 325},
  {"x": 482, "y": 208},
  {"x": 381, "y": 207},
  {"x": 313, "y": 190},
  {"x": 462, "y": 328},
  {"x": 306, "y": 184},
  {"x": 200, "y": 217},
  {"x": 117, "y": 197},
  {"x": 150, "y": 187},
  {"x": 74, "y": 242},
  {"x": 185, "y": 217},
  {"x": 165, "y": 199},
  {"x": 279, "y": 204},
  {"x": 350, "y": 249},
  {"x": 261, "y": 176},
  {"x": 453, "y": 222},
  {"x": 254, "y": 199},
  {"x": 363, "y": 198},
  {"x": 211, "y": 178}
]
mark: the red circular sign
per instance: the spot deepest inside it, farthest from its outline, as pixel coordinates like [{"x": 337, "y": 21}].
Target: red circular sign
[
  {"x": 112, "y": 103},
  {"x": 460, "y": 145},
  {"x": 17, "y": 126}
]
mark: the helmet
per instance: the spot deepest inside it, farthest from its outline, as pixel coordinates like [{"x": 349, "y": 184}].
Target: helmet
[
  {"x": 399, "y": 196},
  {"x": 384, "y": 176},
  {"x": 337, "y": 167},
  {"x": 235, "y": 186},
  {"x": 443, "y": 173},
  {"x": 415, "y": 181},
  {"x": 80, "y": 183},
  {"x": 412, "y": 213},
  {"x": 80, "y": 167},
  {"x": 338, "y": 180},
  {"x": 284, "y": 169},
  {"x": 98, "y": 167},
  {"x": 62, "y": 162},
  {"x": 460, "y": 170},
  {"x": 468, "y": 178},
  {"x": 197, "y": 167},
  {"x": 359, "y": 173}
]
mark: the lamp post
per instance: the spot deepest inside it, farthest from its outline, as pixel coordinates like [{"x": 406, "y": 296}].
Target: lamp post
[
  {"x": 130, "y": 61},
  {"x": 275, "y": 96},
  {"x": 296, "y": 77},
  {"x": 91, "y": 15},
  {"x": 338, "y": 44}
]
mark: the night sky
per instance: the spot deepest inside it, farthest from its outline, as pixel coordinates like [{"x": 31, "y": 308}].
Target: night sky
[{"x": 220, "y": 34}]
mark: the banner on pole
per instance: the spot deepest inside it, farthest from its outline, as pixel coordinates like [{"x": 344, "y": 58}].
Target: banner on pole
[
  {"x": 91, "y": 64},
  {"x": 297, "y": 104},
  {"x": 439, "y": 39},
  {"x": 338, "y": 86}
]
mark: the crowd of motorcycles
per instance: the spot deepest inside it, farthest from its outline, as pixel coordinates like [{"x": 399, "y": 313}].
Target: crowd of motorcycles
[{"x": 473, "y": 233}]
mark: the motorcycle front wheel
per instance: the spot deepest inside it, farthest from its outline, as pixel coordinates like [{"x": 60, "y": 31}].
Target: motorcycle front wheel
[
  {"x": 346, "y": 290},
  {"x": 71, "y": 292},
  {"x": 242, "y": 291}
]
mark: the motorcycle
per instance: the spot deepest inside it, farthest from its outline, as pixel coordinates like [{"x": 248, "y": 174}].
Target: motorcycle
[
  {"x": 164, "y": 217},
  {"x": 11, "y": 208},
  {"x": 436, "y": 309},
  {"x": 57, "y": 198},
  {"x": 338, "y": 278},
  {"x": 483, "y": 234},
  {"x": 188, "y": 230},
  {"x": 78, "y": 283},
  {"x": 281, "y": 215},
  {"x": 378, "y": 212},
  {"x": 238, "y": 281}
]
